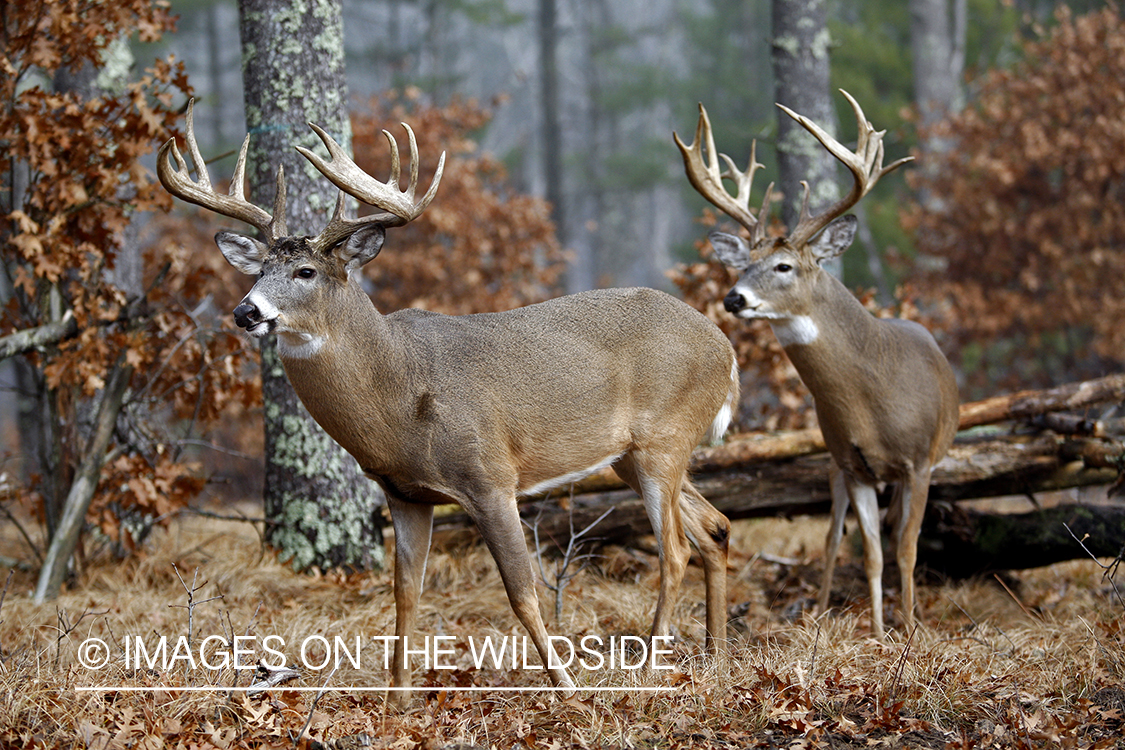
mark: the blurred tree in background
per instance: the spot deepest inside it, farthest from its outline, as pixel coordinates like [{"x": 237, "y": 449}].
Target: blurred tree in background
[{"x": 1029, "y": 221}]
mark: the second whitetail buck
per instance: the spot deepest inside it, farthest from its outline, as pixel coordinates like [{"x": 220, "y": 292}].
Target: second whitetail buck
[
  {"x": 480, "y": 410},
  {"x": 886, "y": 398}
]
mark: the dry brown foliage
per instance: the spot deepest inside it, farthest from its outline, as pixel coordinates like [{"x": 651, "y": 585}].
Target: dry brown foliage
[
  {"x": 1028, "y": 207},
  {"x": 480, "y": 246},
  {"x": 76, "y": 177},
  {"x": 985, "y": 670}
]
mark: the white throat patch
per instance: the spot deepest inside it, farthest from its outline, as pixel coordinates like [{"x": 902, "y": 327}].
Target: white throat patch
[
  {"x": 796, "y": 330},
  {"x": 299, "y": 345}
]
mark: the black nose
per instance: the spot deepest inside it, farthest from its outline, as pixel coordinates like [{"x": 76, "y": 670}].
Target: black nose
[
  {"x": 734, "y": 302},
  {"x": 247, "y": 315}
]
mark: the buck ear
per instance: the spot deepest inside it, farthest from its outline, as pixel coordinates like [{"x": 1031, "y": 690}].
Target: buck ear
[
  {"x": 835, "y": 239},
  {"x": 362, "y": 247},
  {"x": 244, "y": 253},
  {"x": 731, "y": 250}
]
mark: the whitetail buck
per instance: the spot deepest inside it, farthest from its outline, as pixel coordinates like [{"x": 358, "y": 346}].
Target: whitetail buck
[
  {"x": 886, "y": 397},
  {"x": 482, "y": 409}
]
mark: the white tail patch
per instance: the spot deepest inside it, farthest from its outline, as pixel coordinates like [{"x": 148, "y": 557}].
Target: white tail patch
[{"x": 723, "y": 419}]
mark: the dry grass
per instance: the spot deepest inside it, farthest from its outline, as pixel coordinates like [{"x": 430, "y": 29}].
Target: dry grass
[{"x": 1041, "y": 665}]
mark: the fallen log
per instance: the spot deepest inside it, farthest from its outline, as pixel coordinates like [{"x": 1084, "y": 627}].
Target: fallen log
[
  {"x": 1026, "y": 404},
  {"x": 796, "y": 486},
  {"x": 786, "y": 473},
  {"x": 752, "y": 448},
  {"x": 960, "y": 542}
]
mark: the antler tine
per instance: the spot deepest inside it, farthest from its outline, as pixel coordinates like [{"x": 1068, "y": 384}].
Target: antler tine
[
  {"x": 176, "y": 179},
  {"x": 865, "y": 164},
  {"x": 346, "y": 175},
  {"x": 399, "y": 206},
  {"x": 708, "y": 180}
]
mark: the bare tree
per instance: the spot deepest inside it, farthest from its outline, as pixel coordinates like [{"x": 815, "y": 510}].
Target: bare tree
[{"x": 800, "y": 64}]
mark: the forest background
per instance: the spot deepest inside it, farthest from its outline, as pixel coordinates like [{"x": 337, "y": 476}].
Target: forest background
[
  {"x": 129, "y": 402},
  {"x": 1005, "y": 237}
]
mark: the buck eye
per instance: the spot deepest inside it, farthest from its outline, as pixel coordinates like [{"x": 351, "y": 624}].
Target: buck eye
[
  {"x": 783, "y": 268},
  {"x": 306, "y": 273}
]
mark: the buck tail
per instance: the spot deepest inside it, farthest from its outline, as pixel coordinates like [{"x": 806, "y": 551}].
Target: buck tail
[{"x": 723, "y": 419}]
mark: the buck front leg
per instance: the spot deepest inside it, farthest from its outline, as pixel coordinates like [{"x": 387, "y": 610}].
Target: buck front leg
[
  {"x": 866, "y": 504},
  {"x": 840, "y": 503},
  {"x": 413, "y": 524},
  {"x": 498, "y": 520}
]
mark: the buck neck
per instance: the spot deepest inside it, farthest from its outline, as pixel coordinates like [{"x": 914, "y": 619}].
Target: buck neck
[
  {"x": 355, "y": 358},
  {"x": 830, "y": 337}
]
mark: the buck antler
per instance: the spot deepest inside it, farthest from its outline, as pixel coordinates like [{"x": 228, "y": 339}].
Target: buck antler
[
  {"x": 865, "y": 164},
  {"x": 708, "y": 180},
  {"x": 398, "y": 206},
  {"x": 177, "y": 181}
]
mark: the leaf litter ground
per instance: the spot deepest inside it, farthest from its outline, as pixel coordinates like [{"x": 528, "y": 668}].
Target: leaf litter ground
[{"x": 1034, "y": 660}]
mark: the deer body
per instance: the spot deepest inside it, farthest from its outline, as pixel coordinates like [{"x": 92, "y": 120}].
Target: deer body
[
  {"x": 482, "y": 393},
  {"x": 481, "y": 409},
  {"x": 886, "y": 397},
  {"x": 855, "y": 364}
]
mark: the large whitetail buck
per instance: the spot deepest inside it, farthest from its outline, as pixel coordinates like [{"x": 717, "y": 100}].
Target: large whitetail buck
[
  {"x": 480, "y": 410},
  {"x": 886, "y": 397}
]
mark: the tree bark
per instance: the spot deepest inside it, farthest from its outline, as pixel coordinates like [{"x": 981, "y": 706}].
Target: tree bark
[
  {"x": 801, "y": 76},
  {"x": 47, "y": 334},
  {"x": 325, "y": 512},
  {"x": 961, "y": 542}
]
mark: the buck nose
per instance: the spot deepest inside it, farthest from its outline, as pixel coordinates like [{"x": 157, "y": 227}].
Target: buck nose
[
  {"x": 247, "y": 315},
  {"x": 734, "y": 302}
]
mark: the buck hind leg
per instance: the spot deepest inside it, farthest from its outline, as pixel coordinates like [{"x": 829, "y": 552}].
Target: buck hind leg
[
  {"x": 709, "y": 531},
  {"x": 840, "y": 503},
  {"x": 498, "y": 520},
  {"x": 413, "y": 524},
  {"x": 658, "y": 484},
  {"x": 910, "y": 499}
]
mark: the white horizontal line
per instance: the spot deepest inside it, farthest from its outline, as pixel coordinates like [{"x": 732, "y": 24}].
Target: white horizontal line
[{"x": 430, "y": 688}]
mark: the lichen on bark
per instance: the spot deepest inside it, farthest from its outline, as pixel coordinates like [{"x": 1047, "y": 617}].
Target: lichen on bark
[{"x": 324, "y": 512}]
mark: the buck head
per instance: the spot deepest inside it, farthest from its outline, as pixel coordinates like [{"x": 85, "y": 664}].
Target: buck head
[
  {"x": 779, "y": 276},
  {"x": 778, "y": 280},
  {"x": 299, "y": 277},
  {"x": 299, "y": 284}
]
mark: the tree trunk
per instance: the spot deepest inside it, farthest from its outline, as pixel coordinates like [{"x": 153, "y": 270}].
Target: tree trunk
[
  {"x": 937, "y": 35},
  {"x": 549, "y": 105},
  {"x": 326, "y": 512},
  {"x": 801, "y": 80}
]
